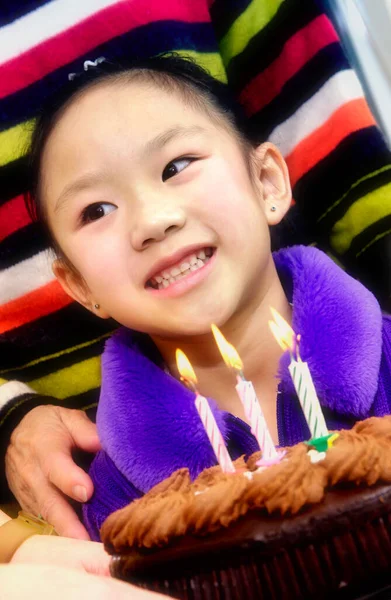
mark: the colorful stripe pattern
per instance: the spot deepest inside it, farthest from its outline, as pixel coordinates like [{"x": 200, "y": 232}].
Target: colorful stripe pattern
[{"x": 286, "y": 65}]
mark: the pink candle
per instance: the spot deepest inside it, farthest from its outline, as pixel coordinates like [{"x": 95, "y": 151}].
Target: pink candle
[
  {"x": 209, "y": 422},
  {"x": 255, "y": 416},
  {"x": 248, "y": 397},
  {"x": 214, "y": 434}
]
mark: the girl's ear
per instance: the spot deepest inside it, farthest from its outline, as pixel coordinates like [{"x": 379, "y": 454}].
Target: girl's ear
[
  {"x": 271, "y": 172},
  {"x": 73, "y": 284}
]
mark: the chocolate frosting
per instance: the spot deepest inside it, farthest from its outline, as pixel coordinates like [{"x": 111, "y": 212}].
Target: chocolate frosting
[{"x": 177, "y": 506}]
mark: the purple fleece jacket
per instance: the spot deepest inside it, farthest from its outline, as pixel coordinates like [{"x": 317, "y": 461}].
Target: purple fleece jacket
[{"x": 147, "y": 420}]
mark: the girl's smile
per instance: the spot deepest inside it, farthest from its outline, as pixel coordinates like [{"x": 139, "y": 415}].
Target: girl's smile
[{"x": 179, "y": 276}]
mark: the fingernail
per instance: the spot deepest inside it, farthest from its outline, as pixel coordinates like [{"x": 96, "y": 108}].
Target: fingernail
[{"x": 80, "y": 493}]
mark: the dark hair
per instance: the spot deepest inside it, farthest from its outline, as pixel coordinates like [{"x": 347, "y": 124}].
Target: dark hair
[{"x": 169, "y": 71}]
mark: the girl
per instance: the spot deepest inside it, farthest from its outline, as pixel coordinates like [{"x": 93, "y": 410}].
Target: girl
[{"x": 159, "y": 205}]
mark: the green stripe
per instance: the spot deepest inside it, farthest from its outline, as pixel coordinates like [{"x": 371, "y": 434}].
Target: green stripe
[
  {"x": 210, "y": 61},
  {"x": 362, "y": 214},
  {"x": 252, "y": 20},
  {"x": 70, "y": 381}
]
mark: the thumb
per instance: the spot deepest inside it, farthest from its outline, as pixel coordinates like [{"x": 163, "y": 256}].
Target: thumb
[{"x": 82, "y": 430}]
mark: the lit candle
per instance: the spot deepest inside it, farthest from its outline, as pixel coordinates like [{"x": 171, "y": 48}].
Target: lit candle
[
  {"x": 301, "y": 376},
  {"x": 248, "y": 397},
  {"x": 209, "y": 422}
]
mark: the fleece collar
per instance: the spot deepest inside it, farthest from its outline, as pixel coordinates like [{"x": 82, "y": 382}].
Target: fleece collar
[
  {"x": 147, "y": 420},
  {"x": 340, "y": 323}
]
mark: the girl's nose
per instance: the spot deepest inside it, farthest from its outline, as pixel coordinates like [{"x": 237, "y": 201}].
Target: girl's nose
[{"x": 156, "y": 226}]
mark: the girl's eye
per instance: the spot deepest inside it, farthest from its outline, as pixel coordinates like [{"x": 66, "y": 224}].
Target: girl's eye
[
  {"x": 96, "y": 211},
  {"x": 175, "y": 167}
]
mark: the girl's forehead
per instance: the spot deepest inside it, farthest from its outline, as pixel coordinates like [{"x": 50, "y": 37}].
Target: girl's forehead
[
  {"x": 123, "y": 113},
  {"x": 137, "y": 102}
]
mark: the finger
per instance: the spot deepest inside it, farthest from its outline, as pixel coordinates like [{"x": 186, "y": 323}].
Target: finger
[
  {"x": 78, "y": 554},
  {"x": 93, "y": 558},
  {"x": 82, "y": 430},
  {"x": 67, "y": 476},
  {"x": 59, "y": 513}
]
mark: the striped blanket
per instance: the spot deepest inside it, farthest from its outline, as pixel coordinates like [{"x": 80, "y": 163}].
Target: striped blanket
[{"x": 284, "y": 62}]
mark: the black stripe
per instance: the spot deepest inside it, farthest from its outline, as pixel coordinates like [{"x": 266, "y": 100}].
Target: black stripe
[
  {"x": 84, "y": 402},
  {"x": 52, "y": 333},
  {"x": 359, "y": 191},
  {"x": 267, "y": 44},
  {"x": 373, "y": 265},
  {"x": 225, "y": 12},
  {"x": 150, "y": 39},
  {"x": 15, "y": 9},
  {"x": 13, "y": 179},
  {"x": 52, "y": 365},
  {"x": 300, "y": 88},
  {"x": 359, "y": 154},
  {"x": 21, "y": 244}
]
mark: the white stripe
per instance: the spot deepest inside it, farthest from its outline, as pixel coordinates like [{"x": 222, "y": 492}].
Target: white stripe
[
  {"x": 11, "y": 390},
  {"x": 45, "y": 22},
  {"x": 26, "y": 276},
  {"x": 337, "y": 91}
]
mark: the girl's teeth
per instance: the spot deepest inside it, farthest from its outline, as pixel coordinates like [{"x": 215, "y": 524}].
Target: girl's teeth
[
  {"x": 193, "y": 264},
  {"x": 175, "y": 272}
]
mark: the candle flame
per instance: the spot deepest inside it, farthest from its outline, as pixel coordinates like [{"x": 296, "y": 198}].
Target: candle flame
[
  {"x": 227, "y": 351},
  {"x": 282, "y": 331},
  {"x": 185, "y": 369}
]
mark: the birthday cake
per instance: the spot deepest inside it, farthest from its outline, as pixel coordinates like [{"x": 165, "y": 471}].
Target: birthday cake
[{"x": 315, "y": 523}]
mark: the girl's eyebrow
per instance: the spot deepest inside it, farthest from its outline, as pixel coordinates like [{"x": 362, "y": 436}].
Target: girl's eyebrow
[
  {"x": 84, "y": 182},
  {"x": 158, "y": 142},
  {"x": 90, "y": 180}
]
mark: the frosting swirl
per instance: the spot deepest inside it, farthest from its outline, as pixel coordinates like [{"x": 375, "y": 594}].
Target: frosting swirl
[{"x": 215, "y": 499}]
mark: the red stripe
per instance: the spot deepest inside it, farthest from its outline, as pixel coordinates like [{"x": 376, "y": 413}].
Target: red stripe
[
  {"x": 297, "y": 51},
  {"x": 43, "y": 301},
  {"x": 350, "y": 117},
  {"x": 108, "y": 23},
  {"x": 13, "y": 216}
]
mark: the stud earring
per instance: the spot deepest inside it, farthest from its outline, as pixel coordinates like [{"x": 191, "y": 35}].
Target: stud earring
[
  {"x": 97, "y": 306},
  {"x": 273, "y": 208}
]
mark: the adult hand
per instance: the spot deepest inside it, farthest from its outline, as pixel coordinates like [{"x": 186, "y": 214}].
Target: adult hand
[
  {"x": 40, "y": 469},
  {"x": 46, "y": 582}
]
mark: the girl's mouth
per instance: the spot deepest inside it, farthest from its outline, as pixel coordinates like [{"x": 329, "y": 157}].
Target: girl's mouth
[{"x": 182, "y": 269}]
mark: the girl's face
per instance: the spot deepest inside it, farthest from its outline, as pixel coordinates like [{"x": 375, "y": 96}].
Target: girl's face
[{"x": 152, "y": 202}]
